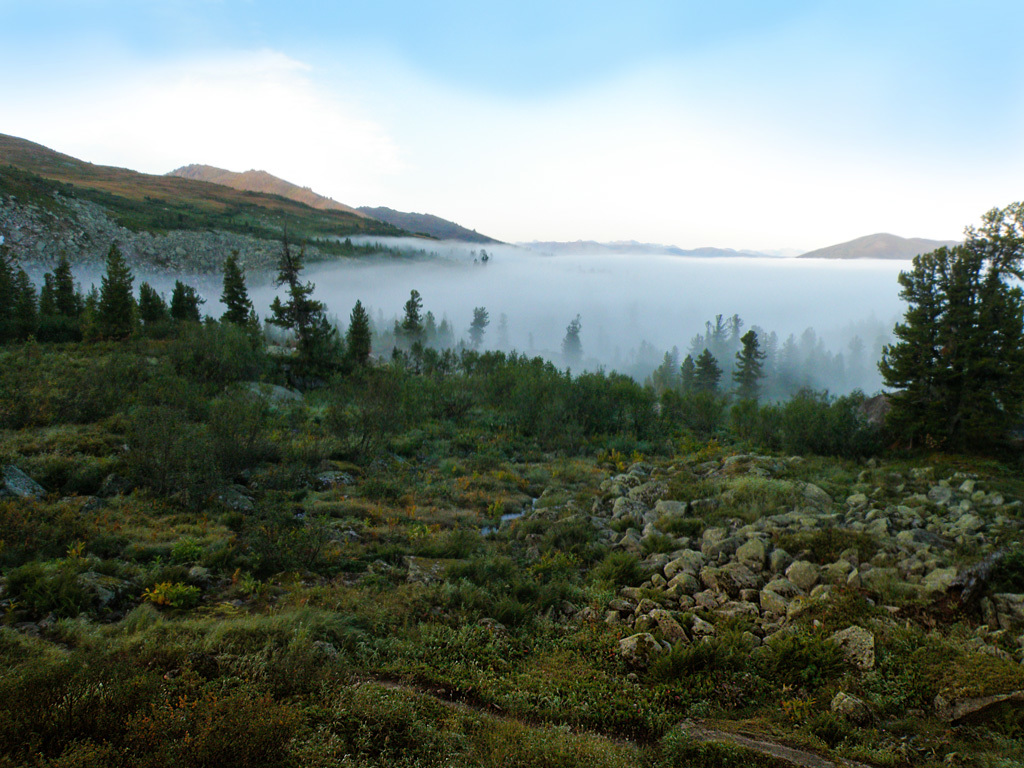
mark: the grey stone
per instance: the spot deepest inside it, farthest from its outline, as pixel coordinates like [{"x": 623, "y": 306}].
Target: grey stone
[
  {"x": 668, "y": 508},
  {"x": 16, "y": 484},
  {"x": 857, "y": 645},
  {"x": 803, "y": 574},
  {"x": 640, "y": 649},
  {"x": 773, "y": 602},
  {"x": 850, "y": 707},
  {"x": 670, "y": 629},
  {"x": 752, "y": 554}
]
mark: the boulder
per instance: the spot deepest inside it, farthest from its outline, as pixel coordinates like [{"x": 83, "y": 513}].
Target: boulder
[
  {"x": 752, "y": 554},
  {"x": 670, "y": 629},
  {"x": 803, "y": 574},
  {"x": 272, "y": 393},
  {"x": 773, "y": 602},
  {"x": 16, "y": 484},
  {"x": 857, "y": 645},
  {"x": 938, "y": 581},
  {"x": 850, "y": 707},
  {"x": 640, "y": 650},
  {"x": 779, "y": 560},
  {"x": 667, "y": 508}
]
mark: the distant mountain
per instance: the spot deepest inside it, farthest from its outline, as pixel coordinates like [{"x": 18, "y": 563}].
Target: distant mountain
[
  {"x": 633, "y": 246},
  {"x": 880, "y": 246},
  {"x": 426, "y": 224},
  {"x": 261, "y": 181},
  {"x": 52, "y": 203}
]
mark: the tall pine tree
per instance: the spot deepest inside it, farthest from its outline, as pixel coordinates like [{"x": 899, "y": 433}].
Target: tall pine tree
[
  {"x": 748, "y": 371},
  {"x": 300, "y": 313},
  {"x": 358, "y": 337},
  {"x": 706, "y": 373},
  {"x": 115, "y": 311},
  {"x": 958, "y": 361},
  {"x": 235, "y": 296}
]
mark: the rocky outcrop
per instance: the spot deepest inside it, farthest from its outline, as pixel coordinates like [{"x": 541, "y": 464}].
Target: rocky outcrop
[
  {"x": 17, "y": 485},
  {"x": 84, "y": 232}
]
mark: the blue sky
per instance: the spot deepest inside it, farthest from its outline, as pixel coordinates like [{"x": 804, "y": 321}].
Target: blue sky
[{"x": 737, "y": 124}]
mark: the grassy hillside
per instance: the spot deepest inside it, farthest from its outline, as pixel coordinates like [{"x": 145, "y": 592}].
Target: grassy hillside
[
  {"x": 144, "y": 202},
  {"x": 261, "y": 181},
  {"x": 475, "y": 565},
  {"x": 427, "y": 224},
  {"x": 880, "y": 246}
]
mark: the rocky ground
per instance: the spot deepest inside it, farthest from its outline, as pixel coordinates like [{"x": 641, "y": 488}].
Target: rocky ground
[{"x": 84, "y": 232}]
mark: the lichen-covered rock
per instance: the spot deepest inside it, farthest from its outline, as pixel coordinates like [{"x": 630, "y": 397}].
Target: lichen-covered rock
[
  {"x": 752, "y": 554},
  {"x": 640, "y": 649},
  {"x": 803, "y": 574},
  {"x": 773, "y": 602},
  {"x": 850, "y": 707},
  {"x": 670, "y": 629},
  {"x": 857, "y": 645}
]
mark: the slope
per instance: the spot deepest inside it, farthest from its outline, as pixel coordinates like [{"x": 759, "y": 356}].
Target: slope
[
  {"x": 879, "y": 246},
  {"x": 426, "y": 224},
  {"x": 261, "y": 181},
  {"x": 159, "y": 204}
]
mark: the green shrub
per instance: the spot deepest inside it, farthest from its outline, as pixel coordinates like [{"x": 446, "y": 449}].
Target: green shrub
[
  {"x": 186, "y": 550},
  {"x": 807, "y": 660},
  {"x": 41, "y": 589},
  {"x": 657, "y": 542},
  {"x": 618, "y": 568},
  {"x": 215, "y": 353}
]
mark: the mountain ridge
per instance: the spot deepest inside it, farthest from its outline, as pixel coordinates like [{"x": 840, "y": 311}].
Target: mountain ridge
[
  {"x": 262, "y": 182},
  {"x": 426, "y": 224},
  {"x": 881, "y": 245}
]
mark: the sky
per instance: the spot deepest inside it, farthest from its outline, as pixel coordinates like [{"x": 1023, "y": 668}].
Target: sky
[{"x": 736, "y": 124}]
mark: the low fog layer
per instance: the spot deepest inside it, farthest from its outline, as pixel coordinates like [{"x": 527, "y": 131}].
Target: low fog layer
[{"x": 633, "y": 308}]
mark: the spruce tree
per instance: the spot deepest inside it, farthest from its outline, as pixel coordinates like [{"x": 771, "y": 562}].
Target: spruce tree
[
  {"x": 304, "y": 316},
  {"x": 185, "y": 301},
  {"x": 26, "y": 313},
  {"x": 749, "y": 370},
  {"x": 115, "y": 312},
  {"x": 235, "y": 296},
  {"x": 706, "y": 373},
  {"x": 47, "y": 297},
  {"x": 958, "y": 361},
  {"x": 6, "y": 294},
  {"x": 687, "y": 374},
  {"x": 572, "y": 348},
  {"x": 358, "y": 336},
  {"x": 411, "y": 327},
  {"x": 67, "y": 299},
  {"x": 152, "y": 307},
  {"x": 476, "y": 328}
]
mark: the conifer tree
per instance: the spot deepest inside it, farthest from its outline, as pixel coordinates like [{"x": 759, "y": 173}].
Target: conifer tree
[
  {"x": 185, "y": 301},
  {"x": 152, "y": 307},
  {"x": 358, "y": 336},
  {"x": 411, "y": 327},
  {"x": 235, "y": 296},
  {"x": 706, "y": 373},
  {"x": 67, "y": 300},
  {"x": 115, "y": 311},
  {"x": 26, "y": 312},
  {"x": 303, "y": 315},
  {"x": 476, "y": 328},
  {"x": 572, "y": 348},
  {"x": 6, "y": 294},
  {"x": 748, "y": 371},
  {"x": 47, "y": 297},
  {"x": 958, "y": 361},
  {"x": 687, "y": 374}
]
